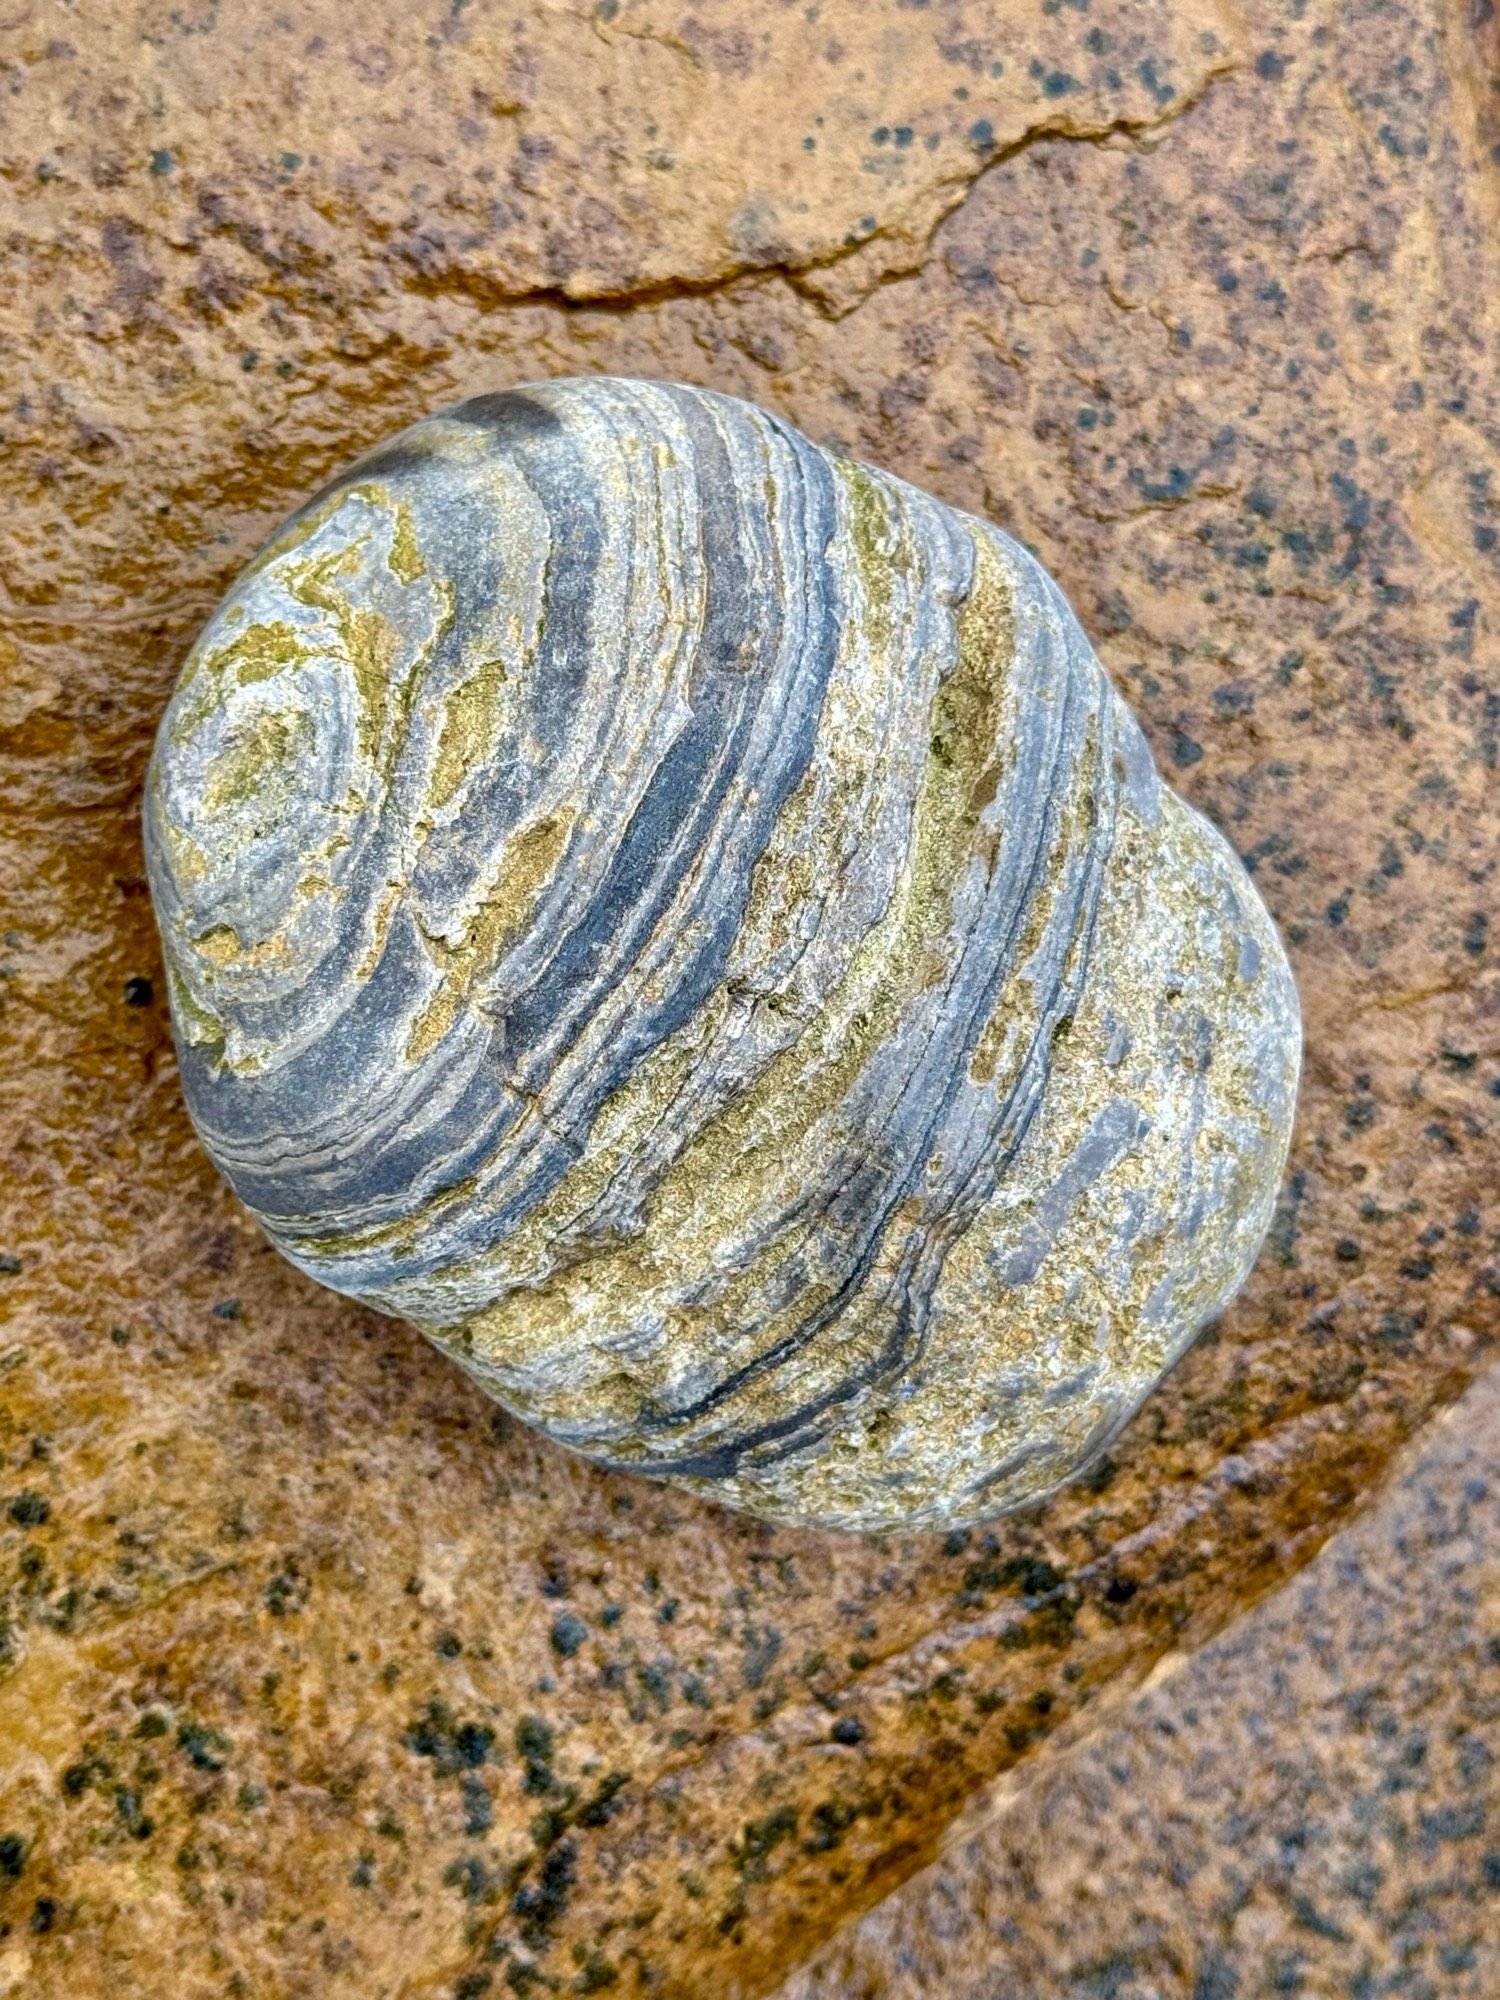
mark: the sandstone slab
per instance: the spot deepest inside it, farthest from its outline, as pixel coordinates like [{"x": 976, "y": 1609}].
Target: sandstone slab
[{"x": 320, "y": 1680}]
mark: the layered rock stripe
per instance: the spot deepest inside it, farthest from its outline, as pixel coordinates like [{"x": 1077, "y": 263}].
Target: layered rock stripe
[{"x": 682, "y": 916}]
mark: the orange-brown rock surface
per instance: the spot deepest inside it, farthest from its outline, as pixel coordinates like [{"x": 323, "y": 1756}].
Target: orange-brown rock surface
[{"x": 320, "y": 1677}]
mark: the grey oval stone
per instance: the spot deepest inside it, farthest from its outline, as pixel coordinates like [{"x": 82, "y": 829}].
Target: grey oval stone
[{"x": 682, "y": 916}]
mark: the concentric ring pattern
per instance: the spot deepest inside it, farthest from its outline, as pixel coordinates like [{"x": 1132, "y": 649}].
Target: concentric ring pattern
[{"x": 682, "y": 916}]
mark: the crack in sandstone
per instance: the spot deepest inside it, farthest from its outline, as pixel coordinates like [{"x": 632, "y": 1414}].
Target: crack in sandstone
[
  {"x": 1139, "y": 130},
  {"x": 797, "y": 272}
]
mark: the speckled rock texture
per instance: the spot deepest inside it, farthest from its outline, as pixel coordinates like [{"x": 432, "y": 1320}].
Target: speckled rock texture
[
  {"x": 682, "y": 916},
  {"x": 321, "y": 1677},
  {"x": 1310, "y": 1804}
]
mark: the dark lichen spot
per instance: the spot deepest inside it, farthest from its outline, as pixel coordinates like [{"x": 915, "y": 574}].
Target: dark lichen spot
[
  {"x": 1398, "y": 1329},
  {"x": 540, "y": 1903},
  {"x": 77, "y": 1779},
  {"x": 656, "y": 1681},
  {"x": 760, "y": 1838},
  {"x": 30, "y": 1510},
  {"x": 554, "y": 1576},
  {"x": 479, "y": 1807},
  {"x": 1032, "y": 1577},
  {"x": 761, "y": 1650},
  {"x": 1100, "y": 1474},
  {"x": 552, "y": 1822},
  {"x": 128, "y": 1808},
  {"x": 597, "y": 1974},
  {"x": 829, "y": 1821},
  {"x": 206, "y": 1749},
  {"x": 534, "y": 1746},
  {"x": 452, "y": 1745},
  {"x": 286, "y": 1593},
  {"x": 568, "y": 1634},
  {"x": 602, "y": 1807},
  {"x": 1160, "y": 90},
  {"x": 469, "y": 1876}
]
